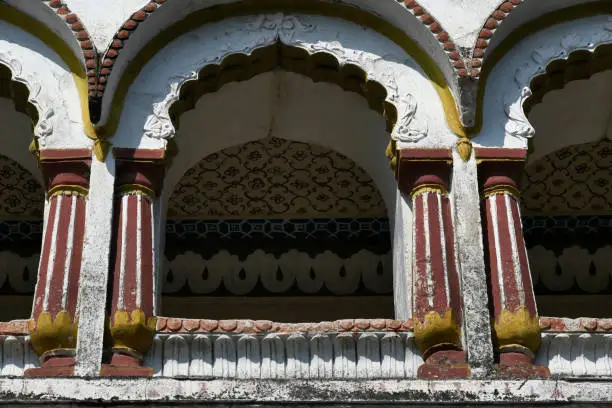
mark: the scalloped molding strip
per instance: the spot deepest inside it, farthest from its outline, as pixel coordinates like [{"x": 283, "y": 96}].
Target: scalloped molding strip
[
  {"x": 440, "y": 34},
  {"x": 176, "y": 325},
  {"x": 289, "y": 356},
  {"x": 90, "y": 54}
]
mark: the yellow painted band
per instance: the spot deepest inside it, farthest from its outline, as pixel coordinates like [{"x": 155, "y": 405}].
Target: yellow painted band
[
  {"x": 136, "y": 189},
  {"x": 501, "y": 189},
  {"x": 63, "y": 50},
  {"x": 428, "y": 188},
  {"x": 218, "y": 13},
  {"x": 68, "y": 189}
]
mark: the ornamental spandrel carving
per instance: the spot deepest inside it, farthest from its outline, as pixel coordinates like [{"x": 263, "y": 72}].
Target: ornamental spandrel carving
[{"x": 276, "y": 178}]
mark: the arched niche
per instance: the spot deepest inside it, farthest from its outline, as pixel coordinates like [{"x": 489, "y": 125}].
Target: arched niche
[{"x": 280, "y": 230}]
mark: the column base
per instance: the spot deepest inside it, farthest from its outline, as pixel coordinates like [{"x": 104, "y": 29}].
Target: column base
[
  {"x": 515, "y": 364},
  {"x": 445, "y": 364},
  {"x": 59, "y": 363},
  {"x": 125, "y": 365}
]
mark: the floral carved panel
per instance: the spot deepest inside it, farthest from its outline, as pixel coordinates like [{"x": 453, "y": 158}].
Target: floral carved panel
[
  {"x": 276, "y": 178},
  {"x": 21, "y": 195},
  {"x": 572, "y": 180}
]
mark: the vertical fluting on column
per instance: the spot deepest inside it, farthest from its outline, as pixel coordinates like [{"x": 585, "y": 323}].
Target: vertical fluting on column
[
  {"x": 53, "y": 327},
  {"x": 516, "y": 325},
  {"x": 424, "y": 175},
  {"x": 132, "y": 320}
]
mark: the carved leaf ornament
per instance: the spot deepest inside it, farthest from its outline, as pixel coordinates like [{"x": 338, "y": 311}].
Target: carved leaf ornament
[
  {"x": 44, "y": 127},
  {"x": 292, "y": 30},
  {"x": 518, "y": 125}
]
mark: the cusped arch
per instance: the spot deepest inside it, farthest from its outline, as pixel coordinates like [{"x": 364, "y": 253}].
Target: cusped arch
[
  {"x": 545, "y": 61},
  {"x": 323, "y": 48},
  {"x": 408, "y": 25}
]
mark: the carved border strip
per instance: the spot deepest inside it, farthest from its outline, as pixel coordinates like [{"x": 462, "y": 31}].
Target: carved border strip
[
  {"x": 582, "y": 324},
  {"x": 434, "y": 26},
  {"x": 79, "y": 31},
  {"x": 177, "y": 325},
  {"x": 486, "y": 33}
]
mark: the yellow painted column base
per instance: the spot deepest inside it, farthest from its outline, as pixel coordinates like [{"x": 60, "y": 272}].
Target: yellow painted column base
[
  {"x": 48, "y": 334},
  {"x": 132, "y": 331},
  {"x": 518, "y": 328},
  {"x": 437, "y": 331}
]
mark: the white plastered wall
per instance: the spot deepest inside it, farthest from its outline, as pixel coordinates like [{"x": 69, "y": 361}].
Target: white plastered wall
[{"x": 287, "y": 105}]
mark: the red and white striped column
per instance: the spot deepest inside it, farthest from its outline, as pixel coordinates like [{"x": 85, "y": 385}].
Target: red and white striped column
[
  {"x": 53, "y": 327},
  {"x": 516, "y": 322},
  {"x": 132, "y": 320},
  {"x": 424, "y": 175}
]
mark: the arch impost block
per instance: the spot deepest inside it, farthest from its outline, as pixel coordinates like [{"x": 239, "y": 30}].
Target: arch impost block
[{"x": 420, "y": 169}]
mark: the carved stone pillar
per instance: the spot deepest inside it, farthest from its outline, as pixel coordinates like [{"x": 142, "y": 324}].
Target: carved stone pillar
[
  {"x": 132, "y": 322},
  {"x": 53, "y": 328},
  {"x": 515, "y": 318},
  {"x": 424, "y": 175}
]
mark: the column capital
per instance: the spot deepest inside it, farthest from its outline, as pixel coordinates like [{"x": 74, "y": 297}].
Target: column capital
[
  {"x": 422, "y": 170},
  {"x": 500, "y": 170},
  {"x": 139, "y": 171},
  {"x": 66, "y": 171}
]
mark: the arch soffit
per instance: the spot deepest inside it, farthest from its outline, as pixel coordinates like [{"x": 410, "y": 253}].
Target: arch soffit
[
  {"x": 544, "y": 61},
  {"x": 408, "y": 25},
  {"x": 372, "y": 58},
  {"x": 28, "y": 45}
]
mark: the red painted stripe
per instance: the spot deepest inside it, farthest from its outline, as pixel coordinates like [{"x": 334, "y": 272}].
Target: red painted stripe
[
  {"x": 530, "y": 302},
  {"x": 119, "y": 242},
  {"x": 146, "y": 258},
  {"x": 440, "y": 300},
  {"x": 494, "y": 271},
  {"x": 453, "y": 275},
  {"x": 61, "y": 243},
  {"x": 421, "y": 305},
  {"x": 39, "y": 293},
  {"x": 129, "y": 283},
  {"x": 77, "y": 254},
  {"x": 508, "y": 274}
]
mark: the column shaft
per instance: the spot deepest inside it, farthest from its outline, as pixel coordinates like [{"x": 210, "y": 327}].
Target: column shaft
[{"x": 53, "y": 328}]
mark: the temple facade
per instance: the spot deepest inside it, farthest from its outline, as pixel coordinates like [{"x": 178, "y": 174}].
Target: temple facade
[{"x": 306, "y": 202}]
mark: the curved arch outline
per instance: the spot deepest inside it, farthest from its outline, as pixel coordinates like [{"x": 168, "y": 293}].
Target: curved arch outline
[
  {"x": 519, "y": 34},
  {"x": 529, "y": 77},
  {"x": 56, "y": 44},
  {"x": 110, "y": 118}
]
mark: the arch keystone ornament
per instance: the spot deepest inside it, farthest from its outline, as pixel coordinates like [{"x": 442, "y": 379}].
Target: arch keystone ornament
[
  {"x": 424, "y": 175},
  {"x": 132, "y": 321},
  {"x": 515, "y": 318},
  {"x": 53, "y": 327}
]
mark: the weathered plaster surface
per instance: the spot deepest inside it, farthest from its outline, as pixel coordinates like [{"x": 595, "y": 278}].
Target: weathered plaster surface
[
  {"x": 398, "y": 392},
  {"x": 104, "y": 18},
  {"x": 463, "y": 19}
]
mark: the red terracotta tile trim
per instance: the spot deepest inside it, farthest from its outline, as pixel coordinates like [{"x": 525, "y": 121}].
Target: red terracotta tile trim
[
  {"x": 441, "y": 35},
  {"x": 79, "y": 31},
  {"x": 14, "y": 328},
  {"x": 176, "y": 325},
  {"x": 119, "y": 40},
  {"x": 583, "y": 324},
  {"x": 493, "y": 22}
]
